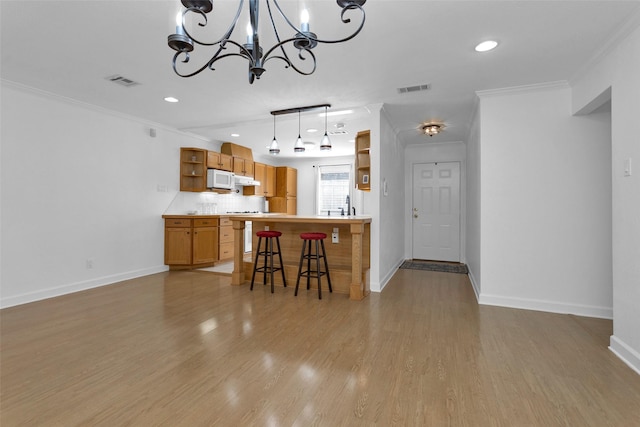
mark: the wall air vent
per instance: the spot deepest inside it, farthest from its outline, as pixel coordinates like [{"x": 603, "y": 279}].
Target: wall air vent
[
  {"x": 417, "y": 88},
  {"x": 123, "y": 81},
  {"x": 338, "y": 132}
]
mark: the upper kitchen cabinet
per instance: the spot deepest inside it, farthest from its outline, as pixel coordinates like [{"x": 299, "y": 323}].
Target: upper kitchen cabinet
[
  {"x": 193, "y": 169},
  {"x": 286, "y": 182},
  {"x": 219, "y": 161},
  {"x": 242, "y": 158},
  {"x": 363, "y": 163},
  {"x": 266, "y": 175}
]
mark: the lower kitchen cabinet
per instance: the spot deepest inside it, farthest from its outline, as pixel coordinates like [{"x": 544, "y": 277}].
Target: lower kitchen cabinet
[{"x": 197, "y": 242}]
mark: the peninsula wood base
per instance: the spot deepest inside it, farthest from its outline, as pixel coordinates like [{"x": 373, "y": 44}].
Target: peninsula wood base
[{"x": 349, "y": 259}]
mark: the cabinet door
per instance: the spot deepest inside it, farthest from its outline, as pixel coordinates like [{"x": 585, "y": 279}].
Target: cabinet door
[
  {"x": 226, "y": 162},
  {"x": 213, "y": 160},
  {"x": 292, "y": 182},
  {"x": 248, "y": 168},
  {"x": 269, "y": 185},
  {"x": 292, "y": 206},
  {"x": 177, "y": 246},
  {"x": 238, "y": 166},
  {"x": 205, "y": 245},
  {"x": 259, "y": 174}
]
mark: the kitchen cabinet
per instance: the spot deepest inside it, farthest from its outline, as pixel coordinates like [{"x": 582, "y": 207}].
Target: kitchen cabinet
[
  {"x": 196, "y": 242},
  {"x": 243, "y": 166},
  {"x": 266, "y": 174},
  {"x": 286, "y": 200},
  {"x": 242, "y": 158},
  {"x": 285, "y": 205},
  {"x": 193, "y": 169},
  {"x": 219, "y": 161},
  {"x": 225, "y": 243},
  {"x": 363, "y": 162},
  {"x": 286, "y": 181},
  {"x": 205, "y": 241}
]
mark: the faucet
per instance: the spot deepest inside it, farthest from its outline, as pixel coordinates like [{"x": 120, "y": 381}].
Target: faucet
[
  {"x": 348, "y": 205},
  {"x": 354, "y": 211},
  {"x": 342, "y": 211}
]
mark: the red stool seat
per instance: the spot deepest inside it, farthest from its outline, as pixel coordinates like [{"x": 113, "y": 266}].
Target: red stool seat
[
  {"x": 268, "y": 233},
  {"x": 313, "y": 236}
]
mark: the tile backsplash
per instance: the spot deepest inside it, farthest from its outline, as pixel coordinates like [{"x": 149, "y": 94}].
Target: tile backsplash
[{"x": 214, "y": 203}]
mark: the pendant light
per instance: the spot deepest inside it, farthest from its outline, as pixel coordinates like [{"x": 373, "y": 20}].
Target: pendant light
[
  {"x": 273, "y": 148},
  {"x": 299, "y": 147},
  {"x": 325, "y": 144}
]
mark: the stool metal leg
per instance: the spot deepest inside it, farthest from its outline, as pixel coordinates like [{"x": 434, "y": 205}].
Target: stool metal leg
[
  {"x": 271, "y": 260},
  {"x": 309, "y": 266},
  {"x": 304, "y": 243},
  {"x": 255, "y": 264},
  {"x": 326, "y": 265},
  {"x": 318, "y": 270},
  {"x": 284, "y": 281}
]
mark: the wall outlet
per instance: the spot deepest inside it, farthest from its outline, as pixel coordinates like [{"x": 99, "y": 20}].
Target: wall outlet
[
  {"x": 266, "y": 228},
  {"x": 89, "y": 263},
  {"x": 335, "y": 237}
]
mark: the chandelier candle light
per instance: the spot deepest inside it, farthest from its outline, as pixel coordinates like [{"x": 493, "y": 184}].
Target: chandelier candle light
[{"x": 304, "y": 40}]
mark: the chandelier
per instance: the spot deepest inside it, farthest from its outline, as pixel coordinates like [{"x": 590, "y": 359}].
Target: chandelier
[
  {"x": 302, "y": 39},
  {"x": 432, "y": 128}
]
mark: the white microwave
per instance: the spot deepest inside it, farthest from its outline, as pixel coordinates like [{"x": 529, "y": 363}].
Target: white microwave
[{"x": 219, "y": 179}]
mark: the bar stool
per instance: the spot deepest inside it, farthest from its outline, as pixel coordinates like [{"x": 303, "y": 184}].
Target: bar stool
[
  {"x": 317, "y": 273},
  {"x": 268, "y": 254}
]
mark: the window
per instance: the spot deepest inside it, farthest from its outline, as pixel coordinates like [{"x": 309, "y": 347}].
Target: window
[{"x": 333, "y": 188}]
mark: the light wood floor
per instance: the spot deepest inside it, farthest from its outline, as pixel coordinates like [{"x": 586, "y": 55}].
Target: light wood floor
[{"x": 188, "y": 349}]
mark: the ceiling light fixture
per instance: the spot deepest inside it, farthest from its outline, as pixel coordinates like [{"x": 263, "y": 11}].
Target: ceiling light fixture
[
  {"x": 273, "y": 148},
  {"x": 325, "y": 144},
  {"x": 432, "y": 128},
  {"x": 171, "y": 99},
  {"x": 299, "y": 147},
  {"x": 304, "y": 40},
  {"x": 486, "y": 46}
]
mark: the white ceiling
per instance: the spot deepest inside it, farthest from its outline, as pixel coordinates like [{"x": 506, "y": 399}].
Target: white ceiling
[{"x": 69, "y": 47}]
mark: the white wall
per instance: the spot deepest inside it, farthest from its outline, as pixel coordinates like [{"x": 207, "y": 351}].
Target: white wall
[
  {"x": 430, "y": 153},
  {"x": 546, "y": 203},
  {"x": 388, "y": 211},
  {"x": 473, "y": 204},
  {"x": 619, "y": 71},
  {"x": 78, "y": 184}
]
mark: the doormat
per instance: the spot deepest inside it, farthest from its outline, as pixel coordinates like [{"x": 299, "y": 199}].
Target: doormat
[{"x": 447, "y": 267}]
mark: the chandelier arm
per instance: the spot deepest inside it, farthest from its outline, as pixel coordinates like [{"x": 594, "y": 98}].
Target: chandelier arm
[
  {"x": 347, "y": 7},
  {"x": 345, "y": 21},
  {"x": 244, "y": 53},
  {"x": 267, "y": 56},
  {"x": 224, "y": 37}
]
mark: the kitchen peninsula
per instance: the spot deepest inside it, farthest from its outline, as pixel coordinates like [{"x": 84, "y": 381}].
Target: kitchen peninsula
[{"x": 349, "y": 258}]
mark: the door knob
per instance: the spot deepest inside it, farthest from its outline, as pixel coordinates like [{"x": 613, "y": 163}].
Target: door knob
[{"x": 415, "y": 215}]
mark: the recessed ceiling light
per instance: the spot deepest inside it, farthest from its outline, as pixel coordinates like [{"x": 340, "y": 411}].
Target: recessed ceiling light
[
  {"x": 312, "y": 130},
  {"x": 235, "y": 135},
  {"x": 486, "y": 46},
  {"x": 171, "y": 99}
]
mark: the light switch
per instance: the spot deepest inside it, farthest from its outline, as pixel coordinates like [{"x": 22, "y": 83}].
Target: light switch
[{"x": 627, "y": 167}]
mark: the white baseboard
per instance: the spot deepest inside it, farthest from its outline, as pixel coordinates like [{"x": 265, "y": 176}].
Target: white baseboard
[
  {"x": 627, "y": 354},
  {"x": 474, "y": 284},
  {"x": 549, "y": 306},
  {"x": 379, "y": 286},
  {"x": 78, "y": 286}
]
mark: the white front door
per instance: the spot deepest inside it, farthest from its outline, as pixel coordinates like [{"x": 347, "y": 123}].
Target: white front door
[{"x": 436, "y": 211}]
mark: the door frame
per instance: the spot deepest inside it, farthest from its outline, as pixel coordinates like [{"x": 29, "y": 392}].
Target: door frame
[{"x": 414, "y": 158}]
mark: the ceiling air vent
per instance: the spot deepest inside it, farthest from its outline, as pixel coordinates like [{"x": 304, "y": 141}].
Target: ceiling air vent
[
  {"x": 338, "y": 132},
  {"x": 123, "y": 81},
  {"x": 416, "y": 88}
]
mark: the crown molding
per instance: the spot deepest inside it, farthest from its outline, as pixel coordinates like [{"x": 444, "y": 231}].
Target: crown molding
[{"x": 538, "y": 87}]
